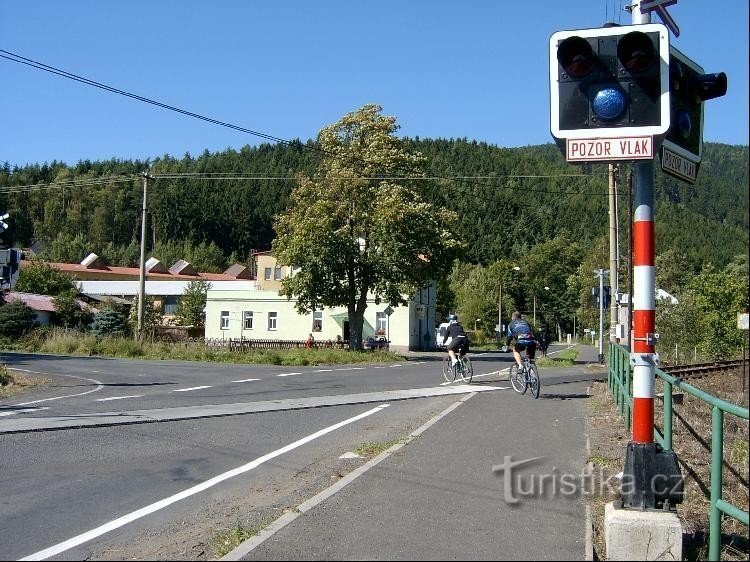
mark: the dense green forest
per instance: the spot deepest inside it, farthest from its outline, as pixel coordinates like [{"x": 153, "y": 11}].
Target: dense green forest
[{"x": 216, "y": 208}]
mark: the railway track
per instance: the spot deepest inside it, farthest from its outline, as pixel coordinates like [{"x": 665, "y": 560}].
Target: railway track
[{"x": 698, "y": 370}]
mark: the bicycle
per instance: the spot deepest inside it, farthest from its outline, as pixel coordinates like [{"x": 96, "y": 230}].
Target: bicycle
[
  {"x": 462, "y": 369},
  {"x": 525, "y": 379}
]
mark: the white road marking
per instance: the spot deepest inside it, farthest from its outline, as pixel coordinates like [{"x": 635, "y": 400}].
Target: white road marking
[
  {"x": 23, "y": 411},
  {"x": 101, "y": 386},
  {"x": 118, "y": 398},
  {"x": 351, "y": 455},
  {"x": 247, "y": 380},
  {"x": 323, "y": 370},
  {"x": 392, "y": 366},
  {"x": 288, "y": 374},
  {"x": 188, "y": 389},
  {"x": 351, "y": 369},
  {"x": 149, "y": 509}
]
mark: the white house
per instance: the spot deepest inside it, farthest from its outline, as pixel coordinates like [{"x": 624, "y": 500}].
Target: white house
[{"x": 264, "y": 314}]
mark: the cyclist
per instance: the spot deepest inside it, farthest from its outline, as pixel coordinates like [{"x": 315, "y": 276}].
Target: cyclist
[
  {"x": 459, "y": 341},
  {"x": 520, "y": 330}
]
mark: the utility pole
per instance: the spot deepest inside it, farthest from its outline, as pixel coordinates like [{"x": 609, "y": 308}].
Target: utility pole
[
  {"x": 142, "y": 284},
  {"x": 614, "y": 258}
]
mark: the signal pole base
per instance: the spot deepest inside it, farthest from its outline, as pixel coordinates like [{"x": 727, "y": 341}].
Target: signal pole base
[
  {"x": 631, "y": 534},
  {"x": 651, "y": 478}
]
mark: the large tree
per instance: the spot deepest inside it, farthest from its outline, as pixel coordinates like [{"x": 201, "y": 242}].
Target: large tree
[{"x": 357, "y": 228}]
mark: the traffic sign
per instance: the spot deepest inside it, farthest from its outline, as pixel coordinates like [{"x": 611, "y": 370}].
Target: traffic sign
[
  {"x": 614, "y": 149},
  {"x": 388, "y": 311}
]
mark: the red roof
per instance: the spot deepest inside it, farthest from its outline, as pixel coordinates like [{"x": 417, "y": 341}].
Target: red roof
[
  {"x": 112, "y": 272},
  {"x": 41, "y": 303}
]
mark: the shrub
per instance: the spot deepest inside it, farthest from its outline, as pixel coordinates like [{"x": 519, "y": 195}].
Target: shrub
[
  {"x": 16, "y": 319},
  {"x": 109, "y": 322}
]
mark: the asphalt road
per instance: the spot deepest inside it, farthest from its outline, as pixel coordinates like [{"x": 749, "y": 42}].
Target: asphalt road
[{"x": 150, "y": 484}]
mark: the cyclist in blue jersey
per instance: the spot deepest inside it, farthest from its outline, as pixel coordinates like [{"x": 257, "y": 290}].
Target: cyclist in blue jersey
[
  {"x": 459, "y": 342},
  {"x": 520, "y": 330}
]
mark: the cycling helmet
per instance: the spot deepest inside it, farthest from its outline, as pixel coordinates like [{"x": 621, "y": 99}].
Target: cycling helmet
[{"x": 452, "y": 318}]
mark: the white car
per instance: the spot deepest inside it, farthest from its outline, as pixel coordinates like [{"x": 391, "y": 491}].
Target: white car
[{"x": 440, "y": 334}]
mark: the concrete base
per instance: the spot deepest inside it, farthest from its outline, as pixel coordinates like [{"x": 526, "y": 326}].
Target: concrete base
[{"x": 634, "y": 534}]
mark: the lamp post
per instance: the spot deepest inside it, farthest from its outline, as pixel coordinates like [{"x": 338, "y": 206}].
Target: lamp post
[{"x": 546, "y": 289}]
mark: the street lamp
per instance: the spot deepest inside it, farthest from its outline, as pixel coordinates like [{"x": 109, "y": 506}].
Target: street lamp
[{"x": 500, "y": 304}]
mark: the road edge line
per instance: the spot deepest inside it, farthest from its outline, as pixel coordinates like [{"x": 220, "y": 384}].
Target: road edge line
[{"x": 252, "y": 543}]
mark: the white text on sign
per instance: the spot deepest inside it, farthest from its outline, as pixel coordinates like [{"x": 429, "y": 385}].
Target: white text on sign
[
  {"x": 626, "y": 148},
  {"x": 678, "y": 166}
]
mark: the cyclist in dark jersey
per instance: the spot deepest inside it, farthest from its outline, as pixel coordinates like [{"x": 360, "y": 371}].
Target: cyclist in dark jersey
[
  {"x": 520, "y": 330},
  {"x": 459, "y": 341}
]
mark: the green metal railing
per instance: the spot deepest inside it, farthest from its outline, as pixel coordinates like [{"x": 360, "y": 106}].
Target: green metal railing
[{"x": 620, "y": 385}]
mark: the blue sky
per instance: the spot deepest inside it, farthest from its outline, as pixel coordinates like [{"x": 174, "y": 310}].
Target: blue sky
[{"x": 288, "y": 68}]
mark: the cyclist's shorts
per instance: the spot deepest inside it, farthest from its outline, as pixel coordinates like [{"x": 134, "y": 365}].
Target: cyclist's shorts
[
  {"x": 528, "y": 345},
  {"x": 459, "y": 345}
]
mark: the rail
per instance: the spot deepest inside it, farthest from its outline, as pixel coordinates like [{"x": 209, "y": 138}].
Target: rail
[{"x": 619, "y": 381}]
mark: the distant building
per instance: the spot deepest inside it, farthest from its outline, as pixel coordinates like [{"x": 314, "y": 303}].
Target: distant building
[{"x": 42, "y": 305}]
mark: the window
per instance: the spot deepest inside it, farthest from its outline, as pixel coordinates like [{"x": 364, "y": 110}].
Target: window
[
  {"x": 224, "y": 319},
  {"x": 170, "y": 305},
  {"x": 248, "y": 320},
  {"x": 272, "y": 317},
  {"x": 381, "y": 322},
  {"x": 277, "y": 272},
  {"x": 317, "y": 321},
  {"x": 267, "y": 274}
]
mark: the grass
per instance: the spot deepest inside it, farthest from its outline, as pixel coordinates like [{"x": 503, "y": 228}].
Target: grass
[
  {"x": 64, "y": 342},
  {"x": 566, "y": 358},
  {"x": 226, "y": 540},
  {"x": 692, "y": 443},
  {"x": 374, "y": 448},
  {"x": 12, "y": 382}
]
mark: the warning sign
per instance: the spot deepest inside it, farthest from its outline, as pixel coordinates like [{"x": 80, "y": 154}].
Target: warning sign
[
  {"x": 625, "y": 148},
  {"x": 678, "y": 166}
]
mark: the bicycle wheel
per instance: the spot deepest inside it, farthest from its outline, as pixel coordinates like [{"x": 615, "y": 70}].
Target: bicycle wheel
[
  {"x": 468, "y": 370},
  {"x": 448, "y": 371},
  {"x": 534, "y": 382},
  {"x": 517, "y": 379}
]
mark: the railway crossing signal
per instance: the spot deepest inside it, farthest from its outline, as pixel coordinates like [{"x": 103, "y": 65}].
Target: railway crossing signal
[
  {"x": 609, "y": 91},
  {"x": 682, "y": 148}
]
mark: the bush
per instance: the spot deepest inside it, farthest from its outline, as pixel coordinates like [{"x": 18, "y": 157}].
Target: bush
[
  {"x": 16, "y": 319},
  {"x": 109, "y": 322}
]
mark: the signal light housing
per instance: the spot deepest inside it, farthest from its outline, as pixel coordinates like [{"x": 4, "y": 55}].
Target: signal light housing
[
  {"x": 682, "y": 148},
  {"x": 610, "y": 82}
]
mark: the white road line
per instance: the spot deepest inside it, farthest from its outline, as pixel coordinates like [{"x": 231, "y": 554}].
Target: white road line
[
  {"x": 323, "y": 370},
  {"x": 59, "y": 397},
  {"x": 247, "y": 380},
  {"x": 188, "y": 389},
  {"x": 149, "y": 509},
  {"x": 118, "y": 398},
  {"x": 288, "y": 374},
  {"x": 392, "y": 366},
  {"x": 351, "y": 369},
  {"x": 23, "y": 411}
]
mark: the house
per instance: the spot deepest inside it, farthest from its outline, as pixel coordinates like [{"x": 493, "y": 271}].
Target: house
[
  {"x": 261, "y": 313},
  {"x": 42, "y": 305},
  {"x": 101, "y": 282}
]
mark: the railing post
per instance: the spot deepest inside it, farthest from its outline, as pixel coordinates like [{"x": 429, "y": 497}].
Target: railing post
[
  {"x": 667, "y": 416},
  {"x": 717, "y": 459}
]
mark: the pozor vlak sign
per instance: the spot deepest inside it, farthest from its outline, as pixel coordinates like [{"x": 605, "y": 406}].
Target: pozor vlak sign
[{"x": 609, "y": 91}]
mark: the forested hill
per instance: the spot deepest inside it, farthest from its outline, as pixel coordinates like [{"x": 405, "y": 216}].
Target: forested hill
[{"x": 509, "y": 199}]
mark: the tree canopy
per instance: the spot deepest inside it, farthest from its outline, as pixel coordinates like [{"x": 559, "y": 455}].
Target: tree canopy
[{"x": 349, "y": 232}]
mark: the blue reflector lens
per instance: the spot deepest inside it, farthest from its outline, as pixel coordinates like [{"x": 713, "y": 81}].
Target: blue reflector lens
[
  {"x": 684, "y": 124},
  {"x": 609, "y": 103}
]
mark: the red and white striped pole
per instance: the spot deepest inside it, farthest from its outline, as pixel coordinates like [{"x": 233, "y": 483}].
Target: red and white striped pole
[
  {"x": 644, "y": 320},
  {"x": 644, "y": 317}
]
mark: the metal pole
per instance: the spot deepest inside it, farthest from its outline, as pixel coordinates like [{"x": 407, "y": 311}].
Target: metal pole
[
  {"x": 500, "y": 311},
  {"x": 534, "y": 310},
  {"x": 601, "y": 273},
  {"x": 142, "y": 280},
  {"x": 613, "y": 261}
]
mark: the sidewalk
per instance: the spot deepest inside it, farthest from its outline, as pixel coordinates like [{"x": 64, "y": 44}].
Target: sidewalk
[{"x": 437, "y": 497}]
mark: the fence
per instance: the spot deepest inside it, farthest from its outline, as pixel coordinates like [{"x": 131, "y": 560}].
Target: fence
[
  {"x": 620, "y": 385},
  {"x": 245, "y": 345}
]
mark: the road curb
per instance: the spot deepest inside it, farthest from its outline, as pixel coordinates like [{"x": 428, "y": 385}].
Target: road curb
[{"x": 250, "y": 544}]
